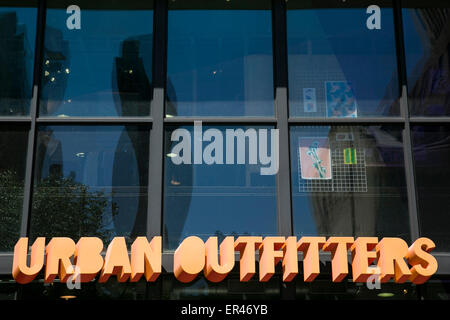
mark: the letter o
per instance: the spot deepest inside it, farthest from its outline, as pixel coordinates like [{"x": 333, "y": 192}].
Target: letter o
[{"x": 189, "y": 259}]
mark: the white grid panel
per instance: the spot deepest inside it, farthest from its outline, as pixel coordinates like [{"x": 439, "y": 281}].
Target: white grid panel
[{"x": 345, "y": 177}]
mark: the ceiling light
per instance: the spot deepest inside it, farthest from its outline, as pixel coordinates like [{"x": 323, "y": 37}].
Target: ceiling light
[{"x": 385, "y": 295}]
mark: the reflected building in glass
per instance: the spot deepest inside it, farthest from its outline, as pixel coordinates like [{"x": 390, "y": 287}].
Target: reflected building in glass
[
  {"x": 427, "y": 42},
  {"x": 16, "y": 61},
  {"x": 364, "y": 192}
]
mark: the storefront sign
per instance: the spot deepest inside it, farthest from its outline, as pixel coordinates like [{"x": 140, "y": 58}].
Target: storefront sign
[{"x": 394, "y": 259}]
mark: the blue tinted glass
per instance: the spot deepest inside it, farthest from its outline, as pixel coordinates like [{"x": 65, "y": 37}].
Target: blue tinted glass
[
  {"x": 431, "y": 158},
  {"x": 220, "y": 62},
  {"x": 13, "y": 151},
  {"x": 427, "y": 42},
  {"x": 340, "y": 64},
  {"x": 224, "y": 197},
  {"x": 90, "y": 181},
  {"x": 17, "y": 43},
  {"x": 104, "y": 68},
  {"x": 348, "y": 181}
]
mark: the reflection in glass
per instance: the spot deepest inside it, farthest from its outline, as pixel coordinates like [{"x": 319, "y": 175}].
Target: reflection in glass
[
  {"x": 220, "y": 58},
  {"x": 90, "y": 181},
  {"x": 216, "y": 199},
  {"x": 363, "y": 190},
  {"x": 338, "y": 67},
  {"x": 431, "y": 157},
  {"x": 436, "y": 289},
  {"x": 102, "y": 69},
  {"x": 8, "y": 289},
  {"x": 230, "y": 288},
  {"x": 13, "y": 150},
  {"x": 17, "y": 43},
  {"x": 323, "y": 289},
  {"x": 427, "y": 43},
  {"x": 110, "y": 290}
]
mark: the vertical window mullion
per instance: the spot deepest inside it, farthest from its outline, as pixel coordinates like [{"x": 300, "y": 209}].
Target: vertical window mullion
[
  {"x": 281, "y": 104},
  {"x": 156, "y": 167},
  {"x": 284, "y": 194},
  {"x": 404, "y": 109},
  {"x": 28, "y": 185}
]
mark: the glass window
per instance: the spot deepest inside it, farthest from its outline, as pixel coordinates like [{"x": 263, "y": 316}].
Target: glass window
[
  {"x": 427, "y": 41},
  {"x": 436, "y": 289},
  {"x": 90, "y": 181},
  {"x": 18, "y": 21},
  {"x": 322, "y": 288},
  {"x": 431, "y": 158},
  {"x": 224, "y": 197},
  {"x": 340, "y": 63},
  {"x": 94, "y": 290},
  {"x": 98, "y": 60},
  {"x": 230, "y": 288},
  {"x": 13, "y": 150},
  {"x": 349, "y": 181},
  {"x": 8, "y": 289},
  {"x": 219, "y": 59}
]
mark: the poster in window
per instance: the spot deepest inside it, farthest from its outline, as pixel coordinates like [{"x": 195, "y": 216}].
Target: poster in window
[
  {"x": 315, "y": 158},
  {"x": 340, "y": 99},
  {"x": 309, "y": 100}
]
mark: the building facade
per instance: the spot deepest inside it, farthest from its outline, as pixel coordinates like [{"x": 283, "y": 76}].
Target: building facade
[{"x": 94, "y": 96}]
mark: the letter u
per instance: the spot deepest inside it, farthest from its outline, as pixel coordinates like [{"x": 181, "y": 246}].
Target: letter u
[{"x": 20, "y": 271}]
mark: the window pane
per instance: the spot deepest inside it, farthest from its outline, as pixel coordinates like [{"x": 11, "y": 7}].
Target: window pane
[
  {"x": 431, "y": 157},
  {"x": 349, "y": 181},
  {"x": 90, "y": 181},
  {"x": 17, "y": 43},
  {"x": 104, "y": 68},
  {"x": 216, "y": 199},
  {"x": 229, "y": 289},
  {"x": 322, "y": 288},
  {"x": 8, "y": 289},
  {"x": 13, "y": 150},
  {"x": 338, "y": 66},
  {"x": 427, "y": 41},
  {"x": 93, "y": 291},
  {"x": 220, "y": 58}
]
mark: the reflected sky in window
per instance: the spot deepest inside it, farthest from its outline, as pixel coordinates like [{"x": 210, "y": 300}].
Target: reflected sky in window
[
  {"x": 102, "y": 69},
  {"x": 220, "y": 62},
  {"x": 334, "y": 46}
]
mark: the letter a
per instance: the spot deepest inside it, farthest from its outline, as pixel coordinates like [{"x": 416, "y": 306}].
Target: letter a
[
  {"x": 73, "y": 21},
  {"x": 374, "y": 21}
]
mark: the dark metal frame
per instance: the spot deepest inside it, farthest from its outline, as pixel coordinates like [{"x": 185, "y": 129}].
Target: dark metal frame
[{"x": 281, "y": 120}]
